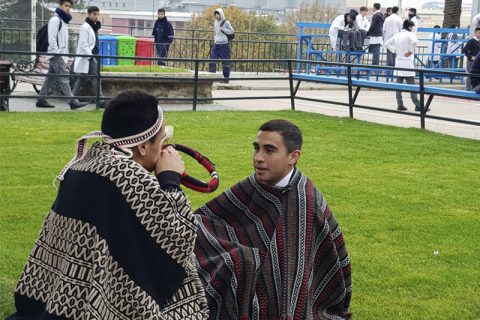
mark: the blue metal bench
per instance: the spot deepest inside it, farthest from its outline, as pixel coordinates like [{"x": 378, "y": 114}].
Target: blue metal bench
[{"x": 428, "y": 90}]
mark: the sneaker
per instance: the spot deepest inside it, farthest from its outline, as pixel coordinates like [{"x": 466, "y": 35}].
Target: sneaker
[
  {"x": 402, "y": 108},
  {"x": 77, "y": 104},
  {"x": 43, "y": 104},
  {"x": 225, "y": 81}
]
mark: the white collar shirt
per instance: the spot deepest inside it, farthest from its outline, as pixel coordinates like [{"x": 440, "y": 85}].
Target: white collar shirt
[
  {"x": 401, "y": 43},
  {"x": 392, "y": 26}
]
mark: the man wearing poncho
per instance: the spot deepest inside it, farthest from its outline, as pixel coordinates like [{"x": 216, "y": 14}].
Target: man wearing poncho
[
  {"x": 269, "y": 247},
  {"x": 118, "y": 241}
]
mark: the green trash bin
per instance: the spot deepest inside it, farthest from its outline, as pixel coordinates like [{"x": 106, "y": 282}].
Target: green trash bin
[{"x": 126, "y": 46}]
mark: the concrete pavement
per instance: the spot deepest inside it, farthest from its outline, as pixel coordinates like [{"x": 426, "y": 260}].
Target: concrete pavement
[{"x": 441, "y": 106}]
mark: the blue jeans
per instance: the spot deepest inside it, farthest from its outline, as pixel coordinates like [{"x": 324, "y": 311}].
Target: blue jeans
[
  {"x": 162, "y": 52},
  {"x": 222, "y": 52}
]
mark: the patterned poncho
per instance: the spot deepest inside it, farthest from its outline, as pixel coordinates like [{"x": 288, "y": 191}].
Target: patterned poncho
[
  {"x": 113, "y": 246},
  {"x": 272, "y": 253}
]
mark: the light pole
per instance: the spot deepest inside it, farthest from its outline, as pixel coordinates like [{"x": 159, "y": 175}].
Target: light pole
[{"x": 33, "y": 26}]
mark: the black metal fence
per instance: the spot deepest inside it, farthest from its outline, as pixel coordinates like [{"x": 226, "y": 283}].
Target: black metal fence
[{"x": 289, "y": 65}]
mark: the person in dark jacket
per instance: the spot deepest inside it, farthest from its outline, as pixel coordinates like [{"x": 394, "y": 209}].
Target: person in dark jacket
[
  {"x": 471, "y": 49},
  {"x": 163, "y": 35},
  {"x": 376, "y": 34},
  {"x": 476, "y": 71}
]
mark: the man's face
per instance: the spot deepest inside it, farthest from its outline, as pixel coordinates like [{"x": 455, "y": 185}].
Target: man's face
[
  {"x": 217, "y": 16},
  {"x": 161, "y": 15},
  {"x": 271, "y": 160},
  {"x": 364, "y": 13},
  {"x": 477, "y": 34},
  {"x": 349, "y": 19},
  {"x": 94, "y": 16},
  {"x": 66, "y": 6}
]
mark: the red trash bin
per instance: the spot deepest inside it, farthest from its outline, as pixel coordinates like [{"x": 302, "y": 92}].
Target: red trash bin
[{"x": 144, "y": 49}]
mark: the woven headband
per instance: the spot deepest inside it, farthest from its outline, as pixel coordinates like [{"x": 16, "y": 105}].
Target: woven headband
[{"x": 124, "y": 144}]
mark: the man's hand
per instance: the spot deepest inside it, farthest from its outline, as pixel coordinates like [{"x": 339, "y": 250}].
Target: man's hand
[
  {"x": 408, "y": 54},
  {"x": 170, "y": 160}
]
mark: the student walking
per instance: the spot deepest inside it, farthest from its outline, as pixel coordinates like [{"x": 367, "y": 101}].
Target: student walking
[
  {"x": 58, "y": 43},
  {"x": 221, "y": 47},
  {"x": 88, "y": 45}
]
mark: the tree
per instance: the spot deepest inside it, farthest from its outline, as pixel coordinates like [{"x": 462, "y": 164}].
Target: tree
[
  {"x": 309, "y": 12},
  {"x": 451, "y": 13}
]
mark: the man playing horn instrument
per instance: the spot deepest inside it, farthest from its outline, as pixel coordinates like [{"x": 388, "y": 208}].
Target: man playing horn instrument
[{"x": 118, "y": 241}]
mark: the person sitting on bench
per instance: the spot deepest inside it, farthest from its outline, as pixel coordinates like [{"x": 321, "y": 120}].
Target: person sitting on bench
[{"x": 343, "y": 28}]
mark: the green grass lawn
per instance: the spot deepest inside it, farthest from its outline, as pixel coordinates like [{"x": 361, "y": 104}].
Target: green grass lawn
[{"x": 399, "y": 195}]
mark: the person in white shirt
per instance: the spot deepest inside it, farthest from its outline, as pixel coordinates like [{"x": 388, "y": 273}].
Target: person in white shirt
[
  {"x": 88, "y": 45},
  {"x": 391, "y": 26},
  {"x": 434, "y": 48},
  {"x": 412, "y": 15},
  {"x": 403, "y": 44},
  {"x": 362, "y": 24},
  {"x": 343, "y": 27}
]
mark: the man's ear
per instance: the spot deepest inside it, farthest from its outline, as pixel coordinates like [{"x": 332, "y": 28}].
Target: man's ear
[
  {"x": 295, "y": 156},
  {"x": 142, "y": 148}
]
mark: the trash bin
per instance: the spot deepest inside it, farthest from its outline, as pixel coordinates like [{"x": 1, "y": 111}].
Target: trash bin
[
  {"x": 144, "y": 49},
  {"x": 126, "y": 48},
  {"x": 5, "y": 66},
  {"x": 108, "y": 47}
]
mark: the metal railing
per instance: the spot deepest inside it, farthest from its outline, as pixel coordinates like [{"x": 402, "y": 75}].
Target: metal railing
[{"x": 288, "y": 65}]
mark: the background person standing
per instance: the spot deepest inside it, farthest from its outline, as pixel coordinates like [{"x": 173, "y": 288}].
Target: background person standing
[
  {"x": 403, "y": 44},
  {"x": 88, "y": 45},
  {"x": 391, "y": 26},
  {"x": 471, "y": 49},
  {"x": 376, "y": 34},
  {"x": 163, "y": 34}
]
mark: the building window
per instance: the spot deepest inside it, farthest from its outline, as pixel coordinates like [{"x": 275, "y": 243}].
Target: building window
[
  {"x": 116, "y": 4},
  {"x": 124, "y": 4}
]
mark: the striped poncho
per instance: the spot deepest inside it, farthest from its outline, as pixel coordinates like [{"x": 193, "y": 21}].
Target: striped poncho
[
  {"x": 272, "y": 253},
  {"x": 113, "y": 246}
]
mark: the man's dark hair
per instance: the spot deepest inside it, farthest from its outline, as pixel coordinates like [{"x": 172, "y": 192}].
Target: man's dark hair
[
  {"x": 395, "y": 9},
  {"x": 92, "y": 9},
  {"x": 413, "y": 11},
  {"x": 407, "y": 24},
  {"x": 477, "y": 29},
  {"x": 363, "y": 9},
  {"x": 436, "y": 26},
  {"x": 291, "y": 134},
  {"x": 377, "y": 5},
  {"x": 63, "y": 1},
  {"x": 129, "y": 113},
  {"x": 161, "y": 10}
]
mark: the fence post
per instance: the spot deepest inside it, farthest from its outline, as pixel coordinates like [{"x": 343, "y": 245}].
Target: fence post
[
  {"x": 98, "y": 84},
  {"x": 422, "y": 101},
  {"x": 290, "y": 80},
  {"x": 195, "y": 86},
  {"x": 350, "y": 92}
]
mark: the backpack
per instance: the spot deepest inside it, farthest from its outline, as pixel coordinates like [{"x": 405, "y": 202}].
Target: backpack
[
  {"x": 42, "y": 37},
  {"x": 230, "y": 37}
]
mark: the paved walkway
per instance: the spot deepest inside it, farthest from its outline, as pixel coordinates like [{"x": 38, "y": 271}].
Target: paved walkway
[{"x": 441, "y": 106}]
